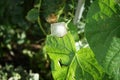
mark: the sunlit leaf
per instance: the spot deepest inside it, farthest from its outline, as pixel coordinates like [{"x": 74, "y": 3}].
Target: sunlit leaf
[{"x": 67, "y": 64}]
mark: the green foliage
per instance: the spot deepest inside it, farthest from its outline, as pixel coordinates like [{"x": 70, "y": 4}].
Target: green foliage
[
  {"x": 33, "y": 15},
  {"x": 8, "y": 72},
  {"x": 21, "y": 39},
  {"x": 69, "y": 64},
  {"x": 23, "y": 29},
  {"x": 103, "y": 34},
  {"x": 74, "y": 31}
]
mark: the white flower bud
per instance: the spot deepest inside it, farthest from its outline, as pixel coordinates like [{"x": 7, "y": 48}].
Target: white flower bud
[{"x": 58, "y": 29}]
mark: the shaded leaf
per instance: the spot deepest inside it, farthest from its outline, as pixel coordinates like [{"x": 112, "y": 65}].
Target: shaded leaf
[
  {"x": 32, "y": 15},
  {"x": 74, "y": 31},
  {"x": 103, "y": 34}
]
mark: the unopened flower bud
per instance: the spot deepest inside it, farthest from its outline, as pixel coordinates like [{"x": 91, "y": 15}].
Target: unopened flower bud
[{"x": 58, "y": 29}]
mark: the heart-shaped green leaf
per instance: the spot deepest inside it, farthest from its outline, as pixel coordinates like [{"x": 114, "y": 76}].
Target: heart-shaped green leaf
[
  {"x": 103, "y": 34},
  {"x": 67, "y": 64}
]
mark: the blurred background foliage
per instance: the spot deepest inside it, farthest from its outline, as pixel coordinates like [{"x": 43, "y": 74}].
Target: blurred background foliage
[{"x": 24, "y": 25}]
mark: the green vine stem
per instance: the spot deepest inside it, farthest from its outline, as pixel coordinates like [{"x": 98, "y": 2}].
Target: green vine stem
[{"x": 39, "y": 21}]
